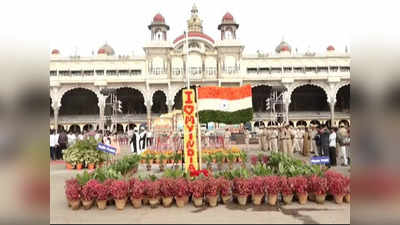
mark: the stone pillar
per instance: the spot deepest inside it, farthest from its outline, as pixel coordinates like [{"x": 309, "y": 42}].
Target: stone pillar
[
  {"x": 332, "y": 102},
  {"x": 148, "y": 110},
  {"x": 102, "y": 107},
  {"x": 56, "y": 107}
]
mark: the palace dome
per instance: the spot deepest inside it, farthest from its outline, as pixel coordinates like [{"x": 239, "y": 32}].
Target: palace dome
[
  {"x": 55, "y": 52},
  {"x": 106, "y": 49},
  {"x": 330, "y": 48},
  {"x": 158, "y": 18},
  {"x": 282, "y": 47},
  {"x": 227, "y": 17}
]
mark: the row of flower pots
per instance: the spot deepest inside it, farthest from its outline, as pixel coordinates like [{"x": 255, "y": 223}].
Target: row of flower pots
[
  {"x": 80, "y": 166},
  {"x": 210, "y": 190}
]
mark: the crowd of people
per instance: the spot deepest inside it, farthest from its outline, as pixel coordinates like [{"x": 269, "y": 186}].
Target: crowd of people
[{"x": 316, "y": 140}]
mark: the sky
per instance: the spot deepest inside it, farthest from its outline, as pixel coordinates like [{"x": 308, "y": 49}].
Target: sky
[{"x": 83, "y": 26}]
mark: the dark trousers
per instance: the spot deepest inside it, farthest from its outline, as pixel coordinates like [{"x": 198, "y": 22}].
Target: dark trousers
[
  {"x": 53, "y": 153},
  {"x": 324, "y": 150},
  {"x": 149, "y": 141},
  {"x": 61, "y": 147},
  {"x": 332, "y": 156}
]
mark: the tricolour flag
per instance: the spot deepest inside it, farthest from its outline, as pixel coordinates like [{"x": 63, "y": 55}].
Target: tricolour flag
[{"x": 229, "y": 105}]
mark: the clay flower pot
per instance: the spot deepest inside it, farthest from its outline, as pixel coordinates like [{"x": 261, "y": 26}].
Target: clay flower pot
[
  {"x": 256, "y": 198},
  {"x": 242, "y": 199},
  {"x": 79, "y": 166},
  {"x": 167, "y": 201},
  {"x": 212, "y": 200},
  {"x": 186, "y": 199},
  {"x": 136, "y": 202},
  {"x": 347, "y": 198},
  {"x": 272, "y": 198},
  {"x": 145, "y": 201},
  {"x": 302, "y": 198},
  {"x": 75, "y": 204},
  {"x": 287, "y": 199},
  {"x": 148, "y": 167},
  {"x": 87, "y": 204},
  {"x": 339, "y": 198},
  {"x": 226, "y": 199},
  {"x": 69, "y": 166},
  {"x": 161, "y": 167},
  {"x": 198, "y": 202},
  {"x": 120, "y": 203},
  {"x": 101, "y": 204},
  {"x": 154, "y": 202},
  {"x": 311, "y": 197},
  {"x": 320, "y": 199},
  {"x": 180, "y": 202},
  {"x": 91, "y": 166}
]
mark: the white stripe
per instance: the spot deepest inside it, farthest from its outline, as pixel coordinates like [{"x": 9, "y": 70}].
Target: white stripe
[{"x": 223, "y": 104}]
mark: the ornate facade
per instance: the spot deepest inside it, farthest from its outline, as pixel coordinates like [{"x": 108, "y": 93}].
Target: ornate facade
[{"x": 210, "y": 62}]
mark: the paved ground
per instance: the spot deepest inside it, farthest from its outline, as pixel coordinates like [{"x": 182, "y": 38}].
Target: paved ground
[{"x": 231, "y": 213}]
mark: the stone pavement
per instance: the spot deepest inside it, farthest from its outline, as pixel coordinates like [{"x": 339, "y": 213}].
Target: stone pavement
[{"x": 231, "y": 213}]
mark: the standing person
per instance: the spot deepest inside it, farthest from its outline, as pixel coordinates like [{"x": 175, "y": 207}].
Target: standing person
[
  {"x": 317, "y": 140},
  {"x": 149, "y": 138},
  {"x": 286, "y": 141},
  {"x": 296, "y": 140},
  {"x": 268, "y": 133},
  {"x": 262, "y": 137},
  {"x": 332, "y": 147},
  {"x": 325, "y": 141},
  {"x": 53, "y": 143},
  {"x": 80, "y": 136},
  {"x": 313, "y": 133},
  {"x": 274, "y": 140},
  {"x": 62, "y": 143},
  {"x": 227, "y": 136},
  {"x": 341, "y": 136},
  {"x": 306, "y": 142},
  {"x": 142, "y": 140},
  {"x": 300, "y": 133}
]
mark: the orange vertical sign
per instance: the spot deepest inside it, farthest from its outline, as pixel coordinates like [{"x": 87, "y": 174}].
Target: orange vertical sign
[{"x": 190, "y": 130}]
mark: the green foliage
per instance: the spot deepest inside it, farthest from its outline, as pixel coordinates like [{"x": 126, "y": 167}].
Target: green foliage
[
  {"x": 231, "y": 174},
  {"x": 243, "y": 156},
  {"x": 177, "y": 157},
  {"x": 219, "y": 157},
  {"x": 148, "y": 158},
  {"x": 173, "y": 173},
  {"x": 231, "y": 157},
  {"x": 162, "y": 157},
  {"x": 84, "y": 178},
  {"x": 241, "y": 116},
  {"x": 262, "y": 170},
  {"x": 84, "y": 151}
]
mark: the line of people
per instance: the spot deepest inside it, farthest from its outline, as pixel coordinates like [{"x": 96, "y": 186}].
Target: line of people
[{"x": 317, "y": 140}]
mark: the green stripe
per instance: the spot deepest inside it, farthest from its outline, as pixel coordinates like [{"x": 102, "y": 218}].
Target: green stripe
[{"x": 236, "y": 117}]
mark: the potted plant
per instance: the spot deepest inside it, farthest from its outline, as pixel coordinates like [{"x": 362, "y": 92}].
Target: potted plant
[
  {"x": 337, "y": 187},
  {"x": 318, "y": 186},
  {"x": 211, "y": 191},
  {"x": 257, "y": 189},
  {"x": 108, "y": 183},
  {"x": 88, "y": 193},
  {"x": 219, "y": 156},
  {"x": 242, "y": 189},
  {"x": 162, "y": 160},
  {"x": 119, "y": 190},
  {"x": 231, "y": 159},
  {"x": 225, "y": 189},
  {"x": 167, "y": 191},
  {"x": 243, "y": 159},
  {"x": 272, "y": 187},
  {"x": 73, "y": 193},
  {"x": 153, "y": 193},
  {"x": 148, "y": 160},
  {"x": 136, "y": 191},
  {"x": 286, "y": 186},
  {"x": 347, "y": 189},
  {"x": 181, "y": 192},
  {"x": 254, "y": 160},
  {"x": 196, "y": 188},
  {"x": 102, "y": 193},
  {"x": 300, "y": 188}
]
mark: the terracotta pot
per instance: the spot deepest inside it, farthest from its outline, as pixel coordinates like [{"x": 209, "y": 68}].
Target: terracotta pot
[
  {"x": 142, "y": 161},
  {"x": 87, "y": 204},
  {"x": 339, "y": 198},
  {"x": 79, "y": 166},
  {"x": 272, "y": 198},
  {"x": 186, "y": 199},
  {"x": 120, "y": 203},
  {"x": 212, "y": 200},
  {"x": 136, "y": 202},
  {"x": 180, "y": 202},
  {"x": 69, "y": 166},
  {"x": 288, "y": 199},
  {"x": 162, "y": 166},
  {"x": 157, "y": 161},
  {"x": 239, "y": 160},
  {"x": 101, "y": 204},
  {"x": 257, "y": 198},
  {"x": 165, "y": 161},
  {"x": 145, "y": 201},
  {"x": 148, "y": 167},
  {"x": 75, "y": 204},
  {"x": 154, "y": 202},
  {"x": 167, "y": 201},
  {"x": 198, "y": 202},
  {"x": 91, "y": 166},
  {"x": 180, "y": 161},
  {"x": 347, "y": 198},
  {"x": 320, "y": 199},
  {"x": 302, "y": 198},
  {"x": 242, "y": 199},
  {"x": 214, "y": 160},
  {"x": 226, "y": 199}
]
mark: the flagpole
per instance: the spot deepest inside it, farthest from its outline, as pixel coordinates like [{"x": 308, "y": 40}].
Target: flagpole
[{"x": 187, "y": 59}]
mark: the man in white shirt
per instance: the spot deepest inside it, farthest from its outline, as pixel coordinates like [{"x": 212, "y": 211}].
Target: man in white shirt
[
  {"x": 53, "y": 144},
  {"x": 332, "y": 147}
]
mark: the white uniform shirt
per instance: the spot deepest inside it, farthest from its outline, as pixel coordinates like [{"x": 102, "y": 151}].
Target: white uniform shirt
[
  {"x": 332, "y": 140},
  {"x": 53, "y": 140}
]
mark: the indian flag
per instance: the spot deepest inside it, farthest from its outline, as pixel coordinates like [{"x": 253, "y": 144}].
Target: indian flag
[{"x": 229, "y": 105}]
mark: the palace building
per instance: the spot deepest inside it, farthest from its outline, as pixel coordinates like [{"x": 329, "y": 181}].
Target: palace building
[{"x": 315, "y": 86}]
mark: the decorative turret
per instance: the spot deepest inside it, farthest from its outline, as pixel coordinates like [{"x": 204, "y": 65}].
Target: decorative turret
[
  {"x": 228, "y": 27},
  {"x": 195, "y": 23},
  {"x": 158, "y": 28}
]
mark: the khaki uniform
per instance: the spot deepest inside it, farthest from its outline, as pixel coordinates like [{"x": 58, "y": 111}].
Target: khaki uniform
[
  {"x": 262, "y": 139},
  {"x": 306, "y": 143},
  {"x": 273, "y": 142},
  {"x": 313, "y": 133},
  {"x": 268, "y": 139},
  {"x": 286, "y": 142}
]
